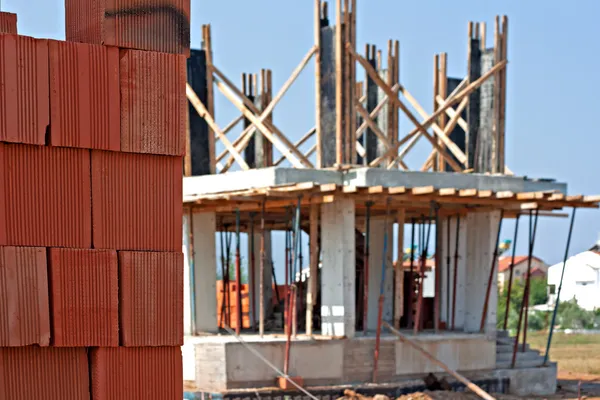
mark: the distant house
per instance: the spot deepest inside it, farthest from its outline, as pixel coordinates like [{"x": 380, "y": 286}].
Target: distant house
[
  {"x": 581, "y": 280},
  {"x": 539, "y": 269}
]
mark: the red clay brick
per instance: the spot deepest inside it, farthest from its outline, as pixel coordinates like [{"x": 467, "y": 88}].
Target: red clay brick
[
  {"x": 24, "y": 310},
  {"x": 151, "y": 298},
  {"x": 155, "y": 25},
  {"x": 8, "y": 23},
  {"x": 45, "y": 194},
  {"x": 24, "y": 89},
  {"x": 136, "y": 201},
  {"x": 125, "y": 373},
  {"x": 44, "y": 373},
  {"x": 84, "y": 96},
  {"x": 84, "y": 297},
  {"x": 153, "y": 108}
]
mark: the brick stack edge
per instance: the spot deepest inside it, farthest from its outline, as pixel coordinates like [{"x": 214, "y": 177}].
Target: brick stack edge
[{"x": 91, "y": 143}]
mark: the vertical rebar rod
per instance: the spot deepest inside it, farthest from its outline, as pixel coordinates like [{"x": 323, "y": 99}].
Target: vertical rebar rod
[
  {"x": 252, "y": 290},
  {"x": 422, "y": 266},
  {"x": 300, "y": 285},
  {"x": 526, "y": 290},
  {"x": 411, "y": 280},
  {"x": 510, "y": 274},
  {"x": 488, "y": 290},
  {"x": 286, "y": 315},
  {"x": 261, "y": 301},
  {"x": 384, "y": 262},
  {"x": 366, "y": 267},
  {"x": 528, "y": 282},
  {"x": 455, "y": 275},
  {"x": 222, "y": 247},
  {"x": 562, "y": 274},
  {"x": 228, "y": 236},
  {"x": 295, "y": 267},
  {"x": 238, "y": 275}
]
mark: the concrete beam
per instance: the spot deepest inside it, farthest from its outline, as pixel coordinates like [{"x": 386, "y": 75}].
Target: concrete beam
[
  {"x": 378, "y": 227},
  {"x": 204, "y": 227},
  {"x": 338, "y": 272},
  {"x": 482, "y": 229},
  {"x": 268, "y": 275}
]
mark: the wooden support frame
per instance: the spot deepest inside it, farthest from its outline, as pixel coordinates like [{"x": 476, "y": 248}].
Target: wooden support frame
[
  {"x": 419, "y": 127},
  {"x": 449, "y": 102},
  {"x": 279, "y": 140},
  {"x": 210, "y": 95},
  {"x": 204, "y": 113}
]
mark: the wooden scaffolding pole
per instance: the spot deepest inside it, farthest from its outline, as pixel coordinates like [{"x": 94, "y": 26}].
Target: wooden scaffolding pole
[
  {"x": 210, "y": 96},
  {"x": 318, "y": 123},
  {"x": 339, "y": 86}
]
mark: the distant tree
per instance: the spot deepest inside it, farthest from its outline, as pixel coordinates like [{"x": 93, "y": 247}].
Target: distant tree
[{"x": 537, "y": 295}]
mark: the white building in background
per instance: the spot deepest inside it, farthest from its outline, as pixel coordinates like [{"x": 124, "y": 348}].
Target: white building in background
[{"x": 581, "y": 280}]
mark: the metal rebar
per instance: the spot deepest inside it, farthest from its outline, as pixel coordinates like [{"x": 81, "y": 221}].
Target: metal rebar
[
  {"x": 526, "y": 290},
  {"x": 422, "y": 267},
  {"x": 411, "y": 280},
  {"x": 488, "y": 290},
  {"x": 562, "y": 274},
  {"x": 526, "y": 325},
  {"x": 510, "y": 276}
]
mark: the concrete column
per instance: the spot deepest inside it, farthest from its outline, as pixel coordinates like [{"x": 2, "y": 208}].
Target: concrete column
[
  {"x": 205, "y": 271},
  {"x": 459, "y": 315},
  {"x": 378, "y": 227},
  {"x": 268, "y": 273},
  {"x": 338, "y": 273},
  {"x": 187, "y": 288},
  {"x": 482, "y": 228}
]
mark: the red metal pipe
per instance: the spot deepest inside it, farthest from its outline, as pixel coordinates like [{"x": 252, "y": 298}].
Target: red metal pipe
[
  {"x": 261, "y": 320},
  {"x": 491, "y": 277},
  {"x": 252, "y": 290},
  {"x": 421, "y": 273},
  {"x": 377, "y": 338},
  {"x": 288, "y": 343},
  {"x": 411, "y": 280},
  {"x": 286, "y": 296}
]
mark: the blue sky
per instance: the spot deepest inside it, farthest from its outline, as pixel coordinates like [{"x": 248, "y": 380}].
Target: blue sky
[{"x": 552, "y": 80}]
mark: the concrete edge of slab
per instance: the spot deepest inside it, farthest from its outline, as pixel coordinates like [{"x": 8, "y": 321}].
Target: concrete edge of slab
[{"x": 360, "y": 177}]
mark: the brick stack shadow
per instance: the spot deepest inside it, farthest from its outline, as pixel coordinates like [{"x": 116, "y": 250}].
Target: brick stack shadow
[{"x": 92, "y": 134}]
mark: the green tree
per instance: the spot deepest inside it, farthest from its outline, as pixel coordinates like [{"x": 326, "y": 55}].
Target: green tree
[{"x": 537, "y": 295}]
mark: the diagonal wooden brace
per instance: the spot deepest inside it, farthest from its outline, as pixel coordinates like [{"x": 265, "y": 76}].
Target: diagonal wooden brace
[{"x": 203, "y": 112}]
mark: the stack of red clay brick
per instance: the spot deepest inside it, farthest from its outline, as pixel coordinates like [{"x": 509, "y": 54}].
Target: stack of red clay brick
[{"x": 91, "y": 141}]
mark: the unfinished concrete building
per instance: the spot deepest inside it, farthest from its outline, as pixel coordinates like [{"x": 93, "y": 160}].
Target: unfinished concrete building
[{"x": 354, "y": 199}]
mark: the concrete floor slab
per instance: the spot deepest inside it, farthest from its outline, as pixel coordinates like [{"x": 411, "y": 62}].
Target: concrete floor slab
[
  {"x": 367, "y": 177},
  {"x": 256, "y": 178},
  {"x": 361, "y": 177}
]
